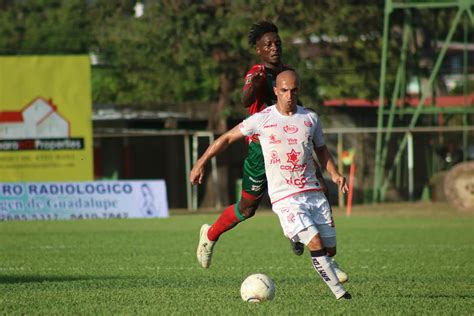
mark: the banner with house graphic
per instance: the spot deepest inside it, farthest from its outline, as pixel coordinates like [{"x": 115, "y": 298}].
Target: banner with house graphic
[{"x": 45, "y": 119}]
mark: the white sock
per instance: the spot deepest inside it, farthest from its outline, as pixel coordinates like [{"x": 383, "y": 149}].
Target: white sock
[{"x": 322, "y": 264}]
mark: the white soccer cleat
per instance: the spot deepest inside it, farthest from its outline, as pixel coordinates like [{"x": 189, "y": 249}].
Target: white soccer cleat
[
  {"x": 341, "y": 275},
  {"x": 205, "y": 246}
]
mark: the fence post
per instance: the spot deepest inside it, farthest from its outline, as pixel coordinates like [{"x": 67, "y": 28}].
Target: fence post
[
  {"x": 340, "y": 168},
  {"x": 187, "y": 163},
  {"x": 410, "y": 164}
]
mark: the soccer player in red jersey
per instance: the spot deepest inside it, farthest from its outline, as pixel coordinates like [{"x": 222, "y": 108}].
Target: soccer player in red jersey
[{"x": 258, "y": 93}]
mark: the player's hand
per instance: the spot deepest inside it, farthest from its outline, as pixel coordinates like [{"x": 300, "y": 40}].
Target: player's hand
[
  {"x": 196, "y": 175},
  {"x": 257, "y": 79},
  {"x": 341, "y": 183}
]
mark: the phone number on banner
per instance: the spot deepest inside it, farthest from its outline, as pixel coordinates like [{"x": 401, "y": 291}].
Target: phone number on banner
[{"x": 56, "y": 216}]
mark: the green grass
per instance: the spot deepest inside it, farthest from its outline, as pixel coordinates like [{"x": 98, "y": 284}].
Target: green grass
[{"x": 399, "y": 262}]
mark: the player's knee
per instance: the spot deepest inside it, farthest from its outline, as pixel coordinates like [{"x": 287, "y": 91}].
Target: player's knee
[
  {"x": 247, "y": 208},
  {"x": 247, "y": 211},
  {"x": 315, "y": 243}
]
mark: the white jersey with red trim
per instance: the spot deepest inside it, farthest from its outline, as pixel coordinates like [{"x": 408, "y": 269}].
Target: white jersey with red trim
[{"x": 287, "y": 145}]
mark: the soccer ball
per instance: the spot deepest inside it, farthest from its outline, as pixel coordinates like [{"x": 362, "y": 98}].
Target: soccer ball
[{"x": 257, "y": 288}]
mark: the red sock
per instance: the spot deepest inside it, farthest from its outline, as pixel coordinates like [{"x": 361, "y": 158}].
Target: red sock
[{"x": 228, "y": 219}]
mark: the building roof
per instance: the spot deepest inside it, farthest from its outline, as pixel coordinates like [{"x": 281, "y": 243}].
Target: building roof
[
  {"x": 443, "y": 101},
  {"x": 11, "y": 117},
  {"x": 101, "y": 112},
  {"x": 17, "y": 116}
]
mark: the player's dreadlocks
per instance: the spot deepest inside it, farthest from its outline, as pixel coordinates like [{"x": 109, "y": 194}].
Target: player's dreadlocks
[{"x": 258, "y": 29}]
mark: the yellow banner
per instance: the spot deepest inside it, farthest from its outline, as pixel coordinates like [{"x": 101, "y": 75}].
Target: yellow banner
[{"x": 45, "y": 119}]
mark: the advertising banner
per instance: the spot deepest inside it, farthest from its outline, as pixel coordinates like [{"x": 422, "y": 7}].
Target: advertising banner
[
  {"x": 45, "y": 119},
  {"x": 81, "y": 200}
]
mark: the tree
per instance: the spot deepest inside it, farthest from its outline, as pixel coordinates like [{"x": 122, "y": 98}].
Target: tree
[
  {"x": 44, "y": 27},
  {"x": 178, "y": 51}
]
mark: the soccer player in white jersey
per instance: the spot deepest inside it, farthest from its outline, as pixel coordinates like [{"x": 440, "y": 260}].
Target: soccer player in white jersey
[{"x": 288, "y": 134}]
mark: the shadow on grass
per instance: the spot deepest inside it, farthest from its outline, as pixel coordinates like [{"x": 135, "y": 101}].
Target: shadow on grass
[{"x": 12, "y": 279}]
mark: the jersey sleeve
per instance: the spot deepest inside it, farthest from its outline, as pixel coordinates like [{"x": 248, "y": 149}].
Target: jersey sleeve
[
  {"x": 251, "y": 125},
  {"x": 248, "y": 126},
  {"x": 318, "y": 136}
]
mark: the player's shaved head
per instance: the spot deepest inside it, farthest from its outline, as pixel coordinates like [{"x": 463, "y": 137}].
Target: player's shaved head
[
  {"x": 287, "y": 75},
  {"x": 286, "y": 90}
]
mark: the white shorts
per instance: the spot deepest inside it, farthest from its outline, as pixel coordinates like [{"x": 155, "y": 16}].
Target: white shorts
[{"x": 304, "y": 215}]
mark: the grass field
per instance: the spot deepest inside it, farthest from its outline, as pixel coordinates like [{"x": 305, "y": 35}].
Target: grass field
[{"x": 405, "y": 259}]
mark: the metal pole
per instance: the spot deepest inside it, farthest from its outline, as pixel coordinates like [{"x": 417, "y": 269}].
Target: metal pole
[
  {"x": 340, "y": 168},
  {"x": 464, "y": 117},
  {"x": 214, "y": 175},
  {"x": 378, "y": 163},
  {"x": 436, "y": 67},
  {"x": 410, "y": 165},
  {"x": 195, "y": 188},
  {"x": 398, "y": 172},
  {"x": 187, "y": 163},
  {"x": 396, "y": 92},
  {"x": 423, "y": 97},
  {"x": 351, "y": 187}
]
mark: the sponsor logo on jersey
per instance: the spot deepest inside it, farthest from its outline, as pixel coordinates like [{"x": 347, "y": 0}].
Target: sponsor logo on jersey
[
  {"x": 274, "y": 140},
  {"x": 274, "y": 158},
  {"x": 308, "y": 123},
  {"x": 295, "y": 167},
  {"x": 270, "y": 125},
  {"x": 292, "y": 141},
  {"x": 290, "y": 129},
  {"x": 293, "y": 156},
  {"x": 257, "y": 181},
  {"x": 298, "y": 182}
]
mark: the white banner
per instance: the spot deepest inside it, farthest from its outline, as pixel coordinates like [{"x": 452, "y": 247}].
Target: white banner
[{"x": 81, "y": 200}]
